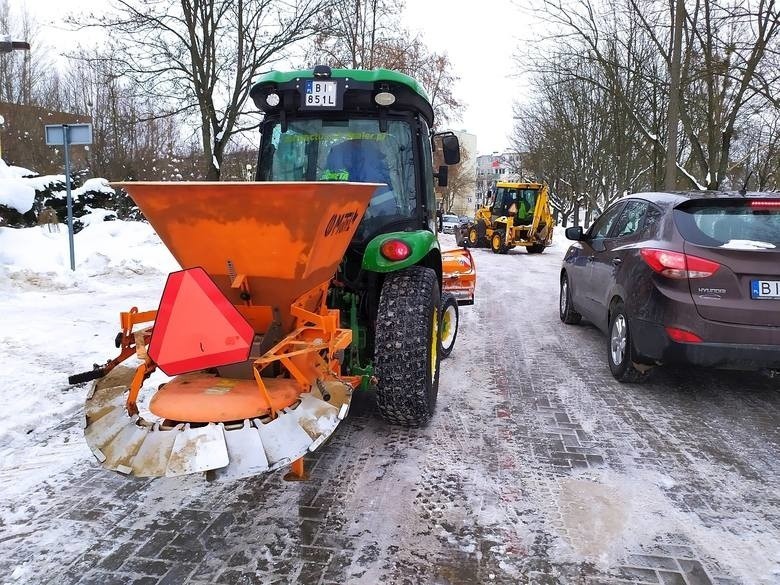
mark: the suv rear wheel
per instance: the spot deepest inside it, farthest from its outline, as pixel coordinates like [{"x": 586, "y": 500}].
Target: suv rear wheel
[{"x": 620, "y": 348}]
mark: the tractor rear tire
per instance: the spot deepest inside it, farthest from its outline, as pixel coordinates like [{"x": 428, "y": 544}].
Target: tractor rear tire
[
  {"x": 535, "y": 248},
  {"x": 406, "y": 354},
  {"x": 448, "y": 331},
  {"x": 498, "y": 243}
]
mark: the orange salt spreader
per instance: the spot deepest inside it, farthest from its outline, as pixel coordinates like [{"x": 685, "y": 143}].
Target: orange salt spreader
[{"x": 243, "y": 329}]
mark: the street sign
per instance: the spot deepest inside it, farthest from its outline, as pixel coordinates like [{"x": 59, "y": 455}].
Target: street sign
[
  {"x": 77, "y": 134},
  {"x": 65, "y": 135}
]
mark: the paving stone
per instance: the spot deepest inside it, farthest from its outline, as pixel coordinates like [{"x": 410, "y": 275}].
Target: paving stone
[{"x": 523, "y": 422}]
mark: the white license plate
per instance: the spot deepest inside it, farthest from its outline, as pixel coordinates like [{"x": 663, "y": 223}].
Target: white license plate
[
  {"x": 765, "y": 289},
  {"x": 320, "y": 94}
]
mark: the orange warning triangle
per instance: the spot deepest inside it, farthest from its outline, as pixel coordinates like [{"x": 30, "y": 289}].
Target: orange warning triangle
[{"x": 197, "y": 327}]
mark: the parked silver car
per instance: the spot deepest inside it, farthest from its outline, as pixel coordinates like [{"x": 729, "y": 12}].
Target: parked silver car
[{"x": 449, "y": 222}]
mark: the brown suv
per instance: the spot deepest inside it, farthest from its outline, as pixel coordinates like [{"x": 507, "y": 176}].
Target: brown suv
[{"x": 679, "y": 277}]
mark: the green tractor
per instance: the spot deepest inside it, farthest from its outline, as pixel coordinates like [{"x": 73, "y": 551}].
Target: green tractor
[{"x": 374, "y": 127}]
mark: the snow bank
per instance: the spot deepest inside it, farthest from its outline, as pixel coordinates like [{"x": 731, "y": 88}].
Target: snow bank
[
  {"x": 16, "y": 194},
  {"x": 55, "y": 322},
  {"x": 36, "y": 257},
  {"x": 10, "y": 172}
]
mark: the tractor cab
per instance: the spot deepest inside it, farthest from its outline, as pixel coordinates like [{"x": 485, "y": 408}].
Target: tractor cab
[
  {"x": 358, "y": 126},
  {"x": 355, "y": 126}
]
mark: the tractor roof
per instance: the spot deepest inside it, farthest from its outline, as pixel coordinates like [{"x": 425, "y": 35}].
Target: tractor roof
[
  {"x": 365, "y": 75},
  {"x": 358, "y": 86}
]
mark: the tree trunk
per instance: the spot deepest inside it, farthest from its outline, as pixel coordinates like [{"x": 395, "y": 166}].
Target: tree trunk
[{"x": 670, "y": 181}]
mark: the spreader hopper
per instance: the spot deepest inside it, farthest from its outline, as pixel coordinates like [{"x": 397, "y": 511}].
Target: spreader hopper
[{"x": 243, "y": 329}]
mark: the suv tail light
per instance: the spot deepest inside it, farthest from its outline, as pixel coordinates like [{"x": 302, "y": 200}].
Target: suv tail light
[
  {"x": 682, "y": 336},
  {"x": 766, "y": 203},
  {"x": 678, "y": 265}
]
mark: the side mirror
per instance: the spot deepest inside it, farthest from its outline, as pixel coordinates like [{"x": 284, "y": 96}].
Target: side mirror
[
  {"x": 575, "y": 233},
  {"x": 451, "y": 147},
  {"x": 442, "y": 175}
]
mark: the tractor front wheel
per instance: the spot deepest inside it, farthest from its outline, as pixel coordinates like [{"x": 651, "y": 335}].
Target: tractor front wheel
[
  {"x": 448, "y": 330},
  {"x": 535, "y": 248},
  {"x": 406, "y": 353}
]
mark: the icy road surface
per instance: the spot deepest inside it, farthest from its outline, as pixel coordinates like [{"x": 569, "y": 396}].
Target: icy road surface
[{"x": 537, "y": 468}]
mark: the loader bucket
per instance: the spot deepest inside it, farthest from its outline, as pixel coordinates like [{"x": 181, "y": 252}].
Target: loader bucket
[{"x": 257, "y": 260}]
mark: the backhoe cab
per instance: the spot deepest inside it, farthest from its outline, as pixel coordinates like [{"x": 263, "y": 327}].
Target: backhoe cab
[{"x": 518, "y": 215}]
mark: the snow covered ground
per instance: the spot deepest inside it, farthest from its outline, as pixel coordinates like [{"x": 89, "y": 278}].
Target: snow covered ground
[
  {"x": 56, "y": 322},
  {"x": 538, "y": 466}
]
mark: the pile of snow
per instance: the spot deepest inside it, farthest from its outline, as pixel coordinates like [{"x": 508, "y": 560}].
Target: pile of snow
[
  {"x": 18, "y": 188},
  {"x": 747, "y": 245},
  {"x": 15, "y": 192},
  {"x": 56, "y": 322},
  {"x": 41, "y": 256}
]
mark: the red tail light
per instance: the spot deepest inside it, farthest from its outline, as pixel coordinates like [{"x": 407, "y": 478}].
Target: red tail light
[
  {"x": 766, "y": 203},
  {"x": 682, "y": 336},
  {"x": 395, "y": 250},
  {"x": 678, "y": 265}
]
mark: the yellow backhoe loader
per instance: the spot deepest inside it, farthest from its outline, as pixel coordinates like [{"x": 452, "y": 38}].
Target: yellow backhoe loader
[{"x": 518, "y": 215}]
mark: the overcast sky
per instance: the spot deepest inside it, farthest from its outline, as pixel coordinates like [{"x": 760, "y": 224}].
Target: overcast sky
[{"x": 480, "y": 37}]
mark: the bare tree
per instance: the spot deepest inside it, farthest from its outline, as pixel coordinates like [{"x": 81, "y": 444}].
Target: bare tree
[
  {"x": 367, "y": 34},
  {"x": 201, "y": 56},
  {"x": 724, "y": 68},
  {"x": 24, "y": 75},
  {"x": 353, "y": 32}
]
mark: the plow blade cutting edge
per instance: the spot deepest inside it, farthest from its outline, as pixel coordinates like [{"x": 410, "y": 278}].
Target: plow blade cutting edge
[{"x": 243, "y": 328}]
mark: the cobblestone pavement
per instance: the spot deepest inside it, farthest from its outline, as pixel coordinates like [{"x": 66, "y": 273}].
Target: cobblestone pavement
[{"x": 538, "y": 468}]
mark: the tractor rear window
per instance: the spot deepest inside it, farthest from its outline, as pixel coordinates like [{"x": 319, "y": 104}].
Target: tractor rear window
[
  {"x": 347, "y": 150},
  {"x": 737, "y": 223}
]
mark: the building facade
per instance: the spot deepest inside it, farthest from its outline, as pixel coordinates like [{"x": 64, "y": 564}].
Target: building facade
[
  {"x": 465, "y": 194},
  {"x": 498, "y": 166}
]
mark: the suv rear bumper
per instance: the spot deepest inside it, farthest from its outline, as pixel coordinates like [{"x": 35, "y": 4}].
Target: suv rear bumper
[{"x": 652, "y": 344}]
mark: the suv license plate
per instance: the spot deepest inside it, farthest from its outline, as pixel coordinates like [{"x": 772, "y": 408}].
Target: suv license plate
[
  {"x": 320, "y": 94},
  {"x": 765, "y": 289}
]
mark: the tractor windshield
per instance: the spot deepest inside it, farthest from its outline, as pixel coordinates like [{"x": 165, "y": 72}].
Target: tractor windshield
[{"x": 347, "y": 150}]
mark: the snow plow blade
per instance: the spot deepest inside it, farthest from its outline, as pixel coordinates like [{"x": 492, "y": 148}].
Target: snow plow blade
[
  {"x": 459, "y": 275},
  {"x": 243, "y": 329}
]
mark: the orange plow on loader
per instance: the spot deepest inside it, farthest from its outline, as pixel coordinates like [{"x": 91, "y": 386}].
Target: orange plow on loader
[{"x": 244, "y": 330}]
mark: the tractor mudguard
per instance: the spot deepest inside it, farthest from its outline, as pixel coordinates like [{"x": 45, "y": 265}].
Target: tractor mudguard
[{"x": 421, "y": 243}]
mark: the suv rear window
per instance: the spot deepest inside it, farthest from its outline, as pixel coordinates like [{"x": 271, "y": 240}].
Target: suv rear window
[{"x": 753, "y": 223}]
